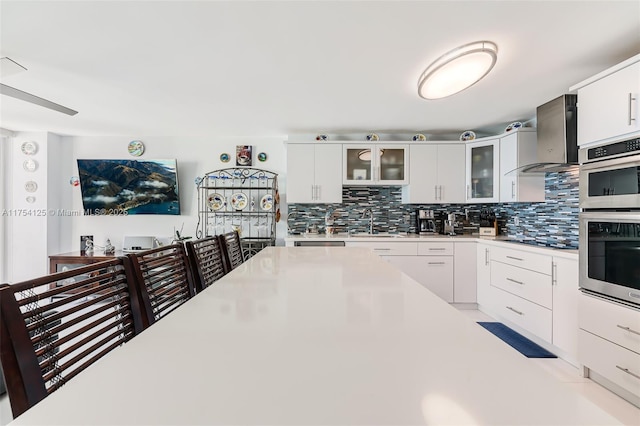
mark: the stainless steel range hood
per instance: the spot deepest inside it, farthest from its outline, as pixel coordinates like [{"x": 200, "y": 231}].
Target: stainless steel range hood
[{"x": 557, "y": 136}]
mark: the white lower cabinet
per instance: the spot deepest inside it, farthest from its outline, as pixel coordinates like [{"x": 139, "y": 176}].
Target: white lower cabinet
[
  {"x": 464, "y": 272},
  {"x": 483, "y": 276},
  {"x": 565, "y": 306},
  {"x": 609, "y": 342},
  {"x": 524, "y": 313}
]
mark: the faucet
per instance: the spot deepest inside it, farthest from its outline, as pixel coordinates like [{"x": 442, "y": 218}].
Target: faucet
[
  {"x": 293, "y": 213},
  {"x": 364, "y": 214}
]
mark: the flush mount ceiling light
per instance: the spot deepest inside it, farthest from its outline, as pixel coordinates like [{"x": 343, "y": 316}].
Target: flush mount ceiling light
[
  {"x": 365, "y": 154},
  {"x": 457, "y": 70}
]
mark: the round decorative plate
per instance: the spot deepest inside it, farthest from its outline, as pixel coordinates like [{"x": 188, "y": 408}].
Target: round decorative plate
[
  {"x": 29, "y": 148},
  {"x": 469, "y": 135},
  {"x": 216, "y": 201},
  {"x": 419, "y": 137},
  {"x": 513, "y": 126},
  {"x": 31, "y": 186},
  {"x": 266, "y": 203},
  {"x": 262, "y": 157},
  {"x": 372, "y": 137},
  {"x": 322, "y": 138},
  {"x": 74, "y": 181},
  {"x": 136, "y": 148},
  {"x": 224, "y": 157},
  {"x": 30, "y": 165},
  {"x": 239, "y": 201}
]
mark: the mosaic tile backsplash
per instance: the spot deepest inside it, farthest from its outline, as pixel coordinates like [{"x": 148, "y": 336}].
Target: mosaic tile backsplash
[{"x": 552, "y": 223}]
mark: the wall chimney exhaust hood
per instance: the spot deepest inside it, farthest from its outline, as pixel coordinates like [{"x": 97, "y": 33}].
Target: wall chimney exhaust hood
[{"x": 557, "y": 130}]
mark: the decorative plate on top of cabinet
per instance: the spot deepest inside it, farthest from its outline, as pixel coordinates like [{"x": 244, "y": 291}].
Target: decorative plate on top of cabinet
[
  {"x": 136, "y": 148},
  {"x": 29, "y": 148},
  {"x": 468, "y": 135}
]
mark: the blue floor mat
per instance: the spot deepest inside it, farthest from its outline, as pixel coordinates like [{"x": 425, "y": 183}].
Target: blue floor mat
[{"x": 520, "y": 343}]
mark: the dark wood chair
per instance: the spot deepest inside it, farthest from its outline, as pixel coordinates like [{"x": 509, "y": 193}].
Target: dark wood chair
[
  {"x": 232, "y": 248},
  {"x": 164, "y": 280},
  {"x": 53, "y": 327},
  {"x": 207, "y": 260}
]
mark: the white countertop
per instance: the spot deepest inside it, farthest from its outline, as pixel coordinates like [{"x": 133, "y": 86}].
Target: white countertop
[
  {"x": 315, "y": 335},
  {"x": 499, "y": 240}
]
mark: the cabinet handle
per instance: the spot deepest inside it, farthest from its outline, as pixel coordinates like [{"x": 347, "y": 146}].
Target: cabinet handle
[
  {"x": 318, "y": 193},
  {"x": 468, "y": 192},
  {"x": 486, "y": 256},
  {"x": 515, "y": 281},
  {"x": 631, "y": 99},
  {"x": 514, "y": 258},
  {"x": 628, "y": 329},
  {"x": 440, "y": 192},
  {"x": 554, "y": 273},
  {"x": 516, "y": 311},
  {"x": 435, "y": 192},
  {"x": 626, "y": 370},
  {"x": 435, "y": 263},
  {"x": 437, "y": 248},
  {"x": 381, "y": 249},
  {"x": 513, "y": 189}
]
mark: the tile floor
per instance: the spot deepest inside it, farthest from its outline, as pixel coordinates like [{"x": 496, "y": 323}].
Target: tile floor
[{"x": 625, "y": 412}]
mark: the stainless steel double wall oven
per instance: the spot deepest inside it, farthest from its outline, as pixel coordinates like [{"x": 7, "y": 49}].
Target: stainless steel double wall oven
[{"x": 610, "y": 220}]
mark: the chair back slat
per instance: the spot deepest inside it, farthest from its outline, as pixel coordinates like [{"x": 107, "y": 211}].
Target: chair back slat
[
  {"x": 232, "y": 249},
  {"x": 164, "y": 280},
  {"x": 55, "y": 326},
  {"x": 207, "y": 260}
]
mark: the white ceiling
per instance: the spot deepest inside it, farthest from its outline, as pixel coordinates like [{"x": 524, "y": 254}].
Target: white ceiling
[{"x": 269, "y": 68}]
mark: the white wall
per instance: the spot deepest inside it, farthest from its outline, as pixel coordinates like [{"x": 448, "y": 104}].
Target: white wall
[{"x": 195, "y": 157}]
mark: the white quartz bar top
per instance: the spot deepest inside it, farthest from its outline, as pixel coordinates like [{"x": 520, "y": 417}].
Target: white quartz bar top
[
  {"x": 315, "y": 335},
  {"x": 501, "y": 240}
]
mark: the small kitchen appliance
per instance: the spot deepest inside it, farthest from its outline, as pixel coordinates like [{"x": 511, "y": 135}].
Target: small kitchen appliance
[{"x": 425, "y": 222}]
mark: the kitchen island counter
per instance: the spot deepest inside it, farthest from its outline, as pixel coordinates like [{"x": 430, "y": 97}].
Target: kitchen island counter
[{"x": 332, "y": 336}]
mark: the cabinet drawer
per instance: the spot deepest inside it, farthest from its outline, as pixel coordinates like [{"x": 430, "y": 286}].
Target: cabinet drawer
[
  {"x": 610, "y": 361},
  {"x": 532, "y": 261},
  {"x": 435, "y": 249},
  {"x": 533, "y": 318},
  {"x": 613, "y": 322},
  {"x": 387, "y": 248},
  {"x": 530, "y": 285}
]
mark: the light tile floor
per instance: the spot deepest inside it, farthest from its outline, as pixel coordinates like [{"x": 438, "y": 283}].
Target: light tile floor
[{"x": 625, "y": 412}]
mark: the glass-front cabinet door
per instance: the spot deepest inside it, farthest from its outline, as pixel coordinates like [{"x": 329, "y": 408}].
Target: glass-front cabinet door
[
  {"x": 376, "y": 164},
  {"x": 482, "y": 171}
]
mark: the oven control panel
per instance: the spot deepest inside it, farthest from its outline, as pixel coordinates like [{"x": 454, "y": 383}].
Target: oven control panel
[{"x": 615, "y": 149}]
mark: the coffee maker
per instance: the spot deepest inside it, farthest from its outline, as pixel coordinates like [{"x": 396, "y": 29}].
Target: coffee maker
[{"x": 425, "y": 222}]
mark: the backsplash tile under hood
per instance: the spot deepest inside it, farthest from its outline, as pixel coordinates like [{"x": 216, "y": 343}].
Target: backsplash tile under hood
[{"x": 552, "y": 223}]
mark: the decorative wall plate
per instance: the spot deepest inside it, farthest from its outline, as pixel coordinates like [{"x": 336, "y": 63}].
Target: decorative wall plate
[
  {"x": 262, "y": 157},
  {"x": 29, "y": 148},
  {"x": 30, "y": 165},
  {"x": 239, "y": 200},
  {"x": 372, "y": 137},
  {"x": 136, "y": 148},
  {"x": 468, "y": 135},
  {"x": 513, "y": 126},
  {"x": 216, "y": 201},
  {"x": 266, "y": 203},
  {"x": 31, "y": 186},
  {"x": 322, "y": 138},
  {"x": 74, "y": 181},
  {"x": 224, "y": 157},
  {"x": 419, "y": 137}
]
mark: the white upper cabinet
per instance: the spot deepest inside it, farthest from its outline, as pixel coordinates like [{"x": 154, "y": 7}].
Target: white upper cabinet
[
  {"x": 483, "y": 171},
  {"x": 436, "y": 174},
  {"x": 609, "y": 104},
  {"x": 375, "y": 164},
  {"x": 519, "y": 149},
  {"x": 313, "y": 173}
]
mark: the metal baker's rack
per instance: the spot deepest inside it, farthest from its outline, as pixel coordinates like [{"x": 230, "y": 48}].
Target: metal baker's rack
[{"x": 242, "y": 199}]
